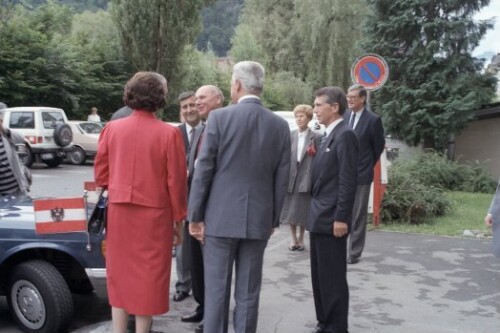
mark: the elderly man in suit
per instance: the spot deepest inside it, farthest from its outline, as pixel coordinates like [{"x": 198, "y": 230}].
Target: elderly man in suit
[
  {"x": 207, "y": 99},
  {"x": 334, "y": 174},
  {"x": 492, "y": 219},
  {"x": 236, "y": 197},
  {"x": 368, "y": 127},
  {"x": 192, "y": 124}
]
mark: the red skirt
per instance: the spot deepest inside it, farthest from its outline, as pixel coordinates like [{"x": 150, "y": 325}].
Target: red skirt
[{"x": 138, "y": 258}]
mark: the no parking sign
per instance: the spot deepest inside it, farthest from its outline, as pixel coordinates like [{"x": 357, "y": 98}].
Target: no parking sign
[{"x": 371, "y": 71}]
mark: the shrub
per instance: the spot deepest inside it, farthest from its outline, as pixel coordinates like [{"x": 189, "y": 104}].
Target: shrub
[
  {"x": 416, "y": 187},
  {"x": 409, "y": 200}
]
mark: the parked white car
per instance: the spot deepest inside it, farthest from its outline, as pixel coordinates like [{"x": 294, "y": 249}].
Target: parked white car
[
  {"x": 85, "y": 138},
  {"x": 48, "y": 136}
]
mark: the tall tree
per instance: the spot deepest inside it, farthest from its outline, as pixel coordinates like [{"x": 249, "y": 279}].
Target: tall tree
[
  {"x": 218, "y": 32},
  {"x": 313, "y": 39},
  {"x": 435, "y": 84},
  {"x": 153, "y": 33}
]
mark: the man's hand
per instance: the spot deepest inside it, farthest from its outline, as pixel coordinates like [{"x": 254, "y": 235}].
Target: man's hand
[
  {"x": 178, "y": 226},
  {"x": 197, "y": 230},
  {"x": 488, "y": 220},
  {"x": 339, "y": 229}
]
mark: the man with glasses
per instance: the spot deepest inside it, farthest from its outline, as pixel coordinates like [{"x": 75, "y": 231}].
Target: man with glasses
[{"x": 368, "y": 127}]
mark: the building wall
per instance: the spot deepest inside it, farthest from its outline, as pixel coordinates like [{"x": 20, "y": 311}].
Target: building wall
[{"x": 480, "y": 141}]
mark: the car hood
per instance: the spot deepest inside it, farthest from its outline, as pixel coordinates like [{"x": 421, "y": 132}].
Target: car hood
[{"x": 17, "y": 211}]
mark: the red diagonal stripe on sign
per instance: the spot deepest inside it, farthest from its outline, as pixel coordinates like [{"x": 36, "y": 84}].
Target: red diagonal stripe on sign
[{"x": 60, "y": 227}]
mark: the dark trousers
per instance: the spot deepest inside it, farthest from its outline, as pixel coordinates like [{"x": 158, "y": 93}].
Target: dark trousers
[
  {"x": 329, "y": 281},
  {"x": 197, "y": 271}
]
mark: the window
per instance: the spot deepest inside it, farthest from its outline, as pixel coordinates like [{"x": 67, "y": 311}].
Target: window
[
  {"x": 51, "y": 119},
  {"x": 22, "y": 120}
]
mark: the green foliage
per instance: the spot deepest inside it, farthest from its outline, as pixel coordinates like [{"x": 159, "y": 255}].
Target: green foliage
[
  {"x": 283, "y": 91},
  {"x": 434, "y": 84},
  {"x": 313, "y": 39},
  {"x": 408, "y": 200},
  {"x": 153, "y": 33},
  {"x": 416, "y": 186},
  {"x": 217, "y": 33}
]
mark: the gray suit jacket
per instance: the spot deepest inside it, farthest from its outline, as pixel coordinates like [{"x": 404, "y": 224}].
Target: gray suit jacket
[
  {"x": 495, "y": 213},
  {"x": 242, "y": 170},
  {"x": 300, "y": 173}
]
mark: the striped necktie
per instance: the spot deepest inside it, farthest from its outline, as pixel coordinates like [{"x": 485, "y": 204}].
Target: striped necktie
[{"x": 323, "y": 140}]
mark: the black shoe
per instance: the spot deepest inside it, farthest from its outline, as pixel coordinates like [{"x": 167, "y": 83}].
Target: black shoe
[
  {"x": 199, "y": 328},
  {"x": 194, "y": 317},
  {"x": 352, "y": 260},
  {"x": 180, "y": 296}
]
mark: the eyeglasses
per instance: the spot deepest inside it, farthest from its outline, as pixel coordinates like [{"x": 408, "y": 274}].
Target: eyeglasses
[{"x": 352, "y": 97}]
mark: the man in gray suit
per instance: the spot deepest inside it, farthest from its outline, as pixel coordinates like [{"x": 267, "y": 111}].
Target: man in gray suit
[
  {"x": 492, "y": 219},
  {"x": 368, "y": 127},
  {"x": 236, "y": 197}
]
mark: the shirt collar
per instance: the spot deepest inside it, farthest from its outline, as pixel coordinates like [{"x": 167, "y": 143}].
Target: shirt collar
[
  {"x": 248, "y": 96},
  {"x": 332, "y": 126}
]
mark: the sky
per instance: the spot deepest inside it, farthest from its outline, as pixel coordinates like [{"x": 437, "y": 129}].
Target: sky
[{"x": 491, "y": 41}]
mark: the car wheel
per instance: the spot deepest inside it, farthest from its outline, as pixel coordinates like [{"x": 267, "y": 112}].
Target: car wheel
[
  {"x": 63, "y": 135},
  {"x": 77, "y": 156},
  {"x": 27, "y": 158},
  {"x": 54, "y": 162},
  {"x": 39, "y": 298}
]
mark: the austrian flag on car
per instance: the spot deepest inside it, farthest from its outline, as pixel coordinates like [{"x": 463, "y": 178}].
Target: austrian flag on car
[{"x": 53, "y": 216}]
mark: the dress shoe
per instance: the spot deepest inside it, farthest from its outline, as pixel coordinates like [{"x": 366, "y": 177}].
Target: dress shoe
[
  {"x": 180, "y": 296},
  {"x": 352, "y": 260},
  {"x": 199, "y": 328},
  {"x": 194, "y": 317}
]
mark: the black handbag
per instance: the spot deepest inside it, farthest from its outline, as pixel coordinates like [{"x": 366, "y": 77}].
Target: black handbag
[{"x": 98, "y": 218}]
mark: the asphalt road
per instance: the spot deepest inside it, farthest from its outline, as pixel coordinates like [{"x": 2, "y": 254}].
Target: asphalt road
[{"x": 405, "y": 283}]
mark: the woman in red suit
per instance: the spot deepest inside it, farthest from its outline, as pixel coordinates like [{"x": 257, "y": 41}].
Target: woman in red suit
[{"x": 141, "y": 160}]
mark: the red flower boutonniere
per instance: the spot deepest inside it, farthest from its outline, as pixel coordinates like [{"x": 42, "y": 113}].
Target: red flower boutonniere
[{"x": 311, "y": 149}]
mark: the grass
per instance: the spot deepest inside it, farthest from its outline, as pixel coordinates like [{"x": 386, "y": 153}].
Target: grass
[{"x": 468, "y": 211}]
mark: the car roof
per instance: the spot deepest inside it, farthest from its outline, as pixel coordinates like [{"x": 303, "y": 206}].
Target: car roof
[{"x": 32, "y": 108}]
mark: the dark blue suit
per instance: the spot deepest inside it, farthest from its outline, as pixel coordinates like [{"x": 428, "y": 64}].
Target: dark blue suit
[{"x": 334, "y": 176}]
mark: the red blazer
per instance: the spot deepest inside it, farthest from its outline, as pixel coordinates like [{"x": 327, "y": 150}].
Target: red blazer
[{"x": 142, "y": 161}]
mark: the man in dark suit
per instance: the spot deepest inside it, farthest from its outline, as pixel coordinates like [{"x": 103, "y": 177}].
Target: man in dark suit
[
  {"x": 334, "y": 173},
  {"x": 492, "y": 219},
  {"x": 368, "y": 127},
  {"x": 236, "y": 197},
  {"x": 207, "y": 99},
  {"x": 192, "y": 123}
]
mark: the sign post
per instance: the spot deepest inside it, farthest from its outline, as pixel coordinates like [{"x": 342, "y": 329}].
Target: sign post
[{"x": 372, "y": 71}]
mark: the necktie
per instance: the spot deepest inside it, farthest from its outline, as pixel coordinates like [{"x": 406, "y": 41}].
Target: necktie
[
  {"x": 353, "y": 119},
  {"x": 323, "y": 139},
  {"x": 191, "y": 135}
]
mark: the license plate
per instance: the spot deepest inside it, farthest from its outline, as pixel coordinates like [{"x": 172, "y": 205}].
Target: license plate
[{"x": 47, "y": 156}]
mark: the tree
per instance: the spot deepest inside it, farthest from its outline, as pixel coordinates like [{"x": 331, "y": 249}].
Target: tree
[
  {"x": 35, "y": 66},
  {"x": 153, "y": 33},
  {"x": 434, "y": 83},
  {"x": 217, "y": 32},
  {"x": 94, "y": 42}
]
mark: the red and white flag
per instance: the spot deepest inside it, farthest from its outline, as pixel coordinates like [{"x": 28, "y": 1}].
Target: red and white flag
[
  {"x": 53, "y": 216},
  {"x": 92, "y": 191}
]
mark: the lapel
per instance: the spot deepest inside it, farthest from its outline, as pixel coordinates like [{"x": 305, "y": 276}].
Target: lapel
[
  {"x": 328, "y": 143},
  {"x": 361, "y": 122},
  {"x": 193, "y": 150},
  {"x": 295, "y": 140},
  {"x": 184, "y": 136},
  {"x": 307, "y": 142}
]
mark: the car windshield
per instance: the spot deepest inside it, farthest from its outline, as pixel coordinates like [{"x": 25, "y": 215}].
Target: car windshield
[{"x": 91, "y": 128}]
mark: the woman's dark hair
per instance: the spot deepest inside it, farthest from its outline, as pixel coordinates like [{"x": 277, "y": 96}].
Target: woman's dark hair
[{"x": 146, "y": 91}]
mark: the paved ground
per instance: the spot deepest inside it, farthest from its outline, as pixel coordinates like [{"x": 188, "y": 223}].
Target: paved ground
[{"x": 405, "y": 283}]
